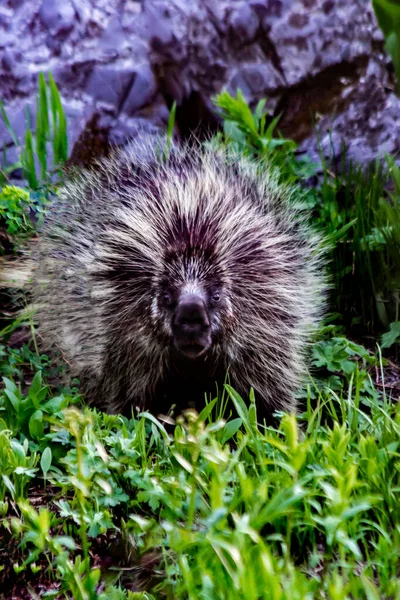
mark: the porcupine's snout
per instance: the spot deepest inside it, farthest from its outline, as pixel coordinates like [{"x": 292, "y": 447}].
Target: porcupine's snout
[{"x": 191, "y": 326}]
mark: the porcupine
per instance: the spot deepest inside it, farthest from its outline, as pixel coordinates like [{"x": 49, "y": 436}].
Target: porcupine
[{"x": 157, "y": 279}]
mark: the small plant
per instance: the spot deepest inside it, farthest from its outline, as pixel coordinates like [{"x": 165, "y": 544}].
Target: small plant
[
  {"x": 18, "y": 208},
  {"x": 255, "y": 133},
  {"x": 50, "y": 128},
  {"x": 338, "y": 354},
  {"x": 392, "y": 336},
  {"x": 15, "y": 203},
  {"x": 388, "y": 15},
  {"x": 170, "y": 132},
  {"x": 17, "y": 363},
  {"x": 27, "y": 413},
  {"x": 18, "y": 465}
]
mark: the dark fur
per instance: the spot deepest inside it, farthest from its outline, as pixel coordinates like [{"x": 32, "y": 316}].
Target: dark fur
[{"x": 136, "y": 233}]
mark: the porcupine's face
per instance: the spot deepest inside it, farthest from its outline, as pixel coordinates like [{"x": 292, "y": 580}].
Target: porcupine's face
[{"x": 192, "y": 315}]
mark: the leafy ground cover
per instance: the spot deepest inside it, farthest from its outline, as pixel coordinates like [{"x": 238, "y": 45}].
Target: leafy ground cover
[{"x": 211, "y": 506}]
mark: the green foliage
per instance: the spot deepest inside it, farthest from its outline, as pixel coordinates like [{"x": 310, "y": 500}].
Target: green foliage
[
  {"x": 249, "y": 130},
  {"x": 17, "y": 206},
  {"x": 255, "y": 133},
  {"x": 59, "y": 122},
  {"x": 344, "y": 368},
  {"x": 14, "y": 361},
  {"x": 365, "y": 262},
  {"x": 170, "y": 130},
  {"x": 18, "y": 465},
  {"x": 28, "y": 412},
  {"x": 114, "y": 593},
  {"x": 335, "y": 355},
  {"x": 388, "y": 16},
  {"x": 392, "y": 336},
  {"x": 47, "y": 131},
  {"x": 271, "y": 514},
  {"x": 15, "y": 203}
]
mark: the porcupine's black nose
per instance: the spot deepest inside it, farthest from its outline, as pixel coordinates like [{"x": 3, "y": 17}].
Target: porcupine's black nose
[
  {"x": 191, "y": 326},
  {"x": 191, "y": 313}
]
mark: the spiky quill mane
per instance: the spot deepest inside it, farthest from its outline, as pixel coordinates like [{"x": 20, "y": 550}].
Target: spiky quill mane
[{"x": 204, "y": 215}]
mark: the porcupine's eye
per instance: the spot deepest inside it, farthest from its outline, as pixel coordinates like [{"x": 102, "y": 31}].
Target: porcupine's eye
[
  {"x": 215, "y": 296},
  {"x": 166, "y": 299}
]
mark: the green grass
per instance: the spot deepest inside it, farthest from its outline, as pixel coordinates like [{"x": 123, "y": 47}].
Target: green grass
[
  {"x": 365, "y": 261},
  {"x": 388, "y": 16},
  {"x": 23, "y": 208},
  {"x": 230, "y": 511},
  {"x": 50, "y": 129}
]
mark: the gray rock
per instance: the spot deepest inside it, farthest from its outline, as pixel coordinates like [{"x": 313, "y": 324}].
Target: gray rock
[
  {"x": 113, "y": 40},
  {"x": 73, "y": 76},
  {"x": 109, "y": 84},
  {"x": 142, "y": 91},
  {"x": 254, "y": 80},
  {"x": 58, "y": 16},
  {"x": 370, "y": 125},
  {"x": 127, "y": 59},
  {"x": 159, "y": 25},
  {"x": 244, "y": 23},
  {"x": 310, "y": 35},
  {"x": 126, "y": 129},
  {"x": 10, "y": 59}
]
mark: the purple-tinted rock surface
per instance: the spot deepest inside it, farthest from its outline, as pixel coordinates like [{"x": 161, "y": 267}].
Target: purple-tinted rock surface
[{"x": 320, "y": 63}]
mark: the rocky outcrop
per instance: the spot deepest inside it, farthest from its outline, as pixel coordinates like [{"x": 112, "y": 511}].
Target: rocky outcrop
[{"x": 121, "y": 63}]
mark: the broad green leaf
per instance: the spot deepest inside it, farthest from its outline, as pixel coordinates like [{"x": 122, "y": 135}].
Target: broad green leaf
[{"x": 45, "y": 461}]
